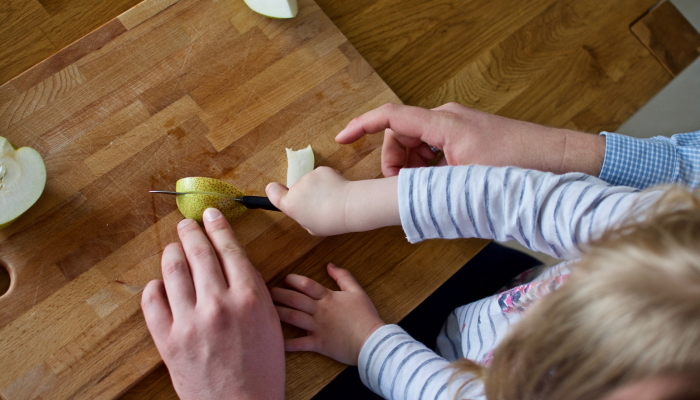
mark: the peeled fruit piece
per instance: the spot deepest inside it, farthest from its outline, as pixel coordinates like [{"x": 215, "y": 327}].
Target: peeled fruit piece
[
  {"x": 22, "y": 180},
  {"x": 193, "y": 205},
  {"x": 274, "y": 8},
  {"x": 299, "y": 163}
]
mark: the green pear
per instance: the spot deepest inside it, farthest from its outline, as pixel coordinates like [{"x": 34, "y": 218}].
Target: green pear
[
  {"x": 22, "y": 180},
  {"x": 193, "y": 205},
  {"x": 274, "y": 8}
]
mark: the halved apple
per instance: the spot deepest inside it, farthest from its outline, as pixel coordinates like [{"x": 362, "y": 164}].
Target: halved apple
[
  {"x": 22, "y": 180},
  {"x": 274, "y": 8}
]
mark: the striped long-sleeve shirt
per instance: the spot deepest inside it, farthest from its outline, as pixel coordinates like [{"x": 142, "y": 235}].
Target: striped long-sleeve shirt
[{"x": 553, "y": 214}]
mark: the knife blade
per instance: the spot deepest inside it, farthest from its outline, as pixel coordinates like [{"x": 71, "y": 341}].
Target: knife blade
[{"x": 251, "y": 202}]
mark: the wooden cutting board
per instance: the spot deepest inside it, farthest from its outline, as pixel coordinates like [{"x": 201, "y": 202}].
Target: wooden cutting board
[{"x": 167, "y": 90}]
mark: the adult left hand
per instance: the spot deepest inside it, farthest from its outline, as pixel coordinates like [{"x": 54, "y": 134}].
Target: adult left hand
[{"x": 212, "y": 318}]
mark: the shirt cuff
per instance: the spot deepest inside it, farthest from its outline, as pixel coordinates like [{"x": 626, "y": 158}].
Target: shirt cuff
[
  {"x": 638, "y": 163},
  {"x": 407, "y": 208},
  {"x": 371, "y": 352}
]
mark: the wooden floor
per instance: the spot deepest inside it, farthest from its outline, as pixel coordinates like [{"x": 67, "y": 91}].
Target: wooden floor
[{"x": 564, "y": 63}]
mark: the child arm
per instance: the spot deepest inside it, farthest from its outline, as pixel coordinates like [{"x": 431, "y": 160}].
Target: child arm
[
  {"x": 396, "y": 366},
  {"x": 325, "y": 203},
  {"x": 337, "y": 322},
  {"x": 553, "y": 214},
  {"x": 345, "y": 326}
]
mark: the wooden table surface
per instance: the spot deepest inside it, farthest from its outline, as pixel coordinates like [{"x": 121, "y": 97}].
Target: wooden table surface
[{"x": 563, "y": 63}]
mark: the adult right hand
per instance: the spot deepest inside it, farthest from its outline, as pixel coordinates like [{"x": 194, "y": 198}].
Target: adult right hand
[{"x": 468, "y": 136}]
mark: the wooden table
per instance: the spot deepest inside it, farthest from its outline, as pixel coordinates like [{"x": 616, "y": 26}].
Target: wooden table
[{"x": 563, "y": 63}]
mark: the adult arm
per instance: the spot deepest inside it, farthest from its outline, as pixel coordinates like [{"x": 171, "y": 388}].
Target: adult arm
[{"x": 468, "y": 136}]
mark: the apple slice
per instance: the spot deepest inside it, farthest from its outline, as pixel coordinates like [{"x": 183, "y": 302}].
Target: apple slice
[
  {"x": 299, "y": 163},
  {"x": 274, "y": 8},
  {"x": 22, "y": 180},
  {"x": 193, "y": 205}
]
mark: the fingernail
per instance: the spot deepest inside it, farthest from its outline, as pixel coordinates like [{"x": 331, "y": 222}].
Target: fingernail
[
  {"x": 184, "y": 222},
  {"x": 212, "y": 214}
]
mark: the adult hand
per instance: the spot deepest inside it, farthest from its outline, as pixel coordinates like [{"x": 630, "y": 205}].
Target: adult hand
[
  {"x": 338, "y": 323},
  {"x": 212, "y": 318},
  {"x": 468, "y": 136}
]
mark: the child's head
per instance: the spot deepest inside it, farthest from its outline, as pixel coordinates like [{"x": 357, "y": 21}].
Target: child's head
[{"x": 629, "y": 311}]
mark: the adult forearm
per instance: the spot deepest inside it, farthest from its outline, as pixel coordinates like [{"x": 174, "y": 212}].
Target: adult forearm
[
  {"x": 584, "y": 152},
  {"x": 532, "y": 146}
]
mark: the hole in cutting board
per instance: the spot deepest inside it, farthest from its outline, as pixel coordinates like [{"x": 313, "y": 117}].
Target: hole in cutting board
[{"x": 4, "y": 278}]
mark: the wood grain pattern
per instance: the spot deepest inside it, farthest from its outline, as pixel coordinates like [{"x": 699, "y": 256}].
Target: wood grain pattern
[
  {"x": 562, "y": 62},
  {"x": 168, "y": 90},
  {"x": 32, "y": 30},
  {"x": 669, "y": 37},
  {"x": 571, "y": 64},
  {"x": 434, "y": 52}
]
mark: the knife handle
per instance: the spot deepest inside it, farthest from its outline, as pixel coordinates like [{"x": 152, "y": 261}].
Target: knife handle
[{"x": 261, "y": 202}]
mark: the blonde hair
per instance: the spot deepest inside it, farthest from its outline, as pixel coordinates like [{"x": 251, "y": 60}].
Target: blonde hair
[{"x": 629, "y": 310}]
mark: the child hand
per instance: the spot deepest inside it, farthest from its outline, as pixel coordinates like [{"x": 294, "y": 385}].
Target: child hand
[
  {"x": 317, "y": 201},
  {"x": 338, "y": 323},
  {"x": 325, "y": 203}
]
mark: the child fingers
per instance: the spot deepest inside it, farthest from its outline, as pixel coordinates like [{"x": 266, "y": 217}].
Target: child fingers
[
  {"x": 344, "y": 278},
  {"x": 276, "y": 192},
  {"x": 304, "y": 343},
  {"x": 297, "y": 318},
  {"x": 307, "y": 286},
  {"x": 293, "y": 299}
]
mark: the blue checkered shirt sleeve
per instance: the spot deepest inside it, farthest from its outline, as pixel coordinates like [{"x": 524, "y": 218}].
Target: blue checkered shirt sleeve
[{"x": 642, "y": 163}]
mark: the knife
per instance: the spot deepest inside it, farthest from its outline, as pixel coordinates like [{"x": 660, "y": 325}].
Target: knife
[{"x": 251, "y": 202}]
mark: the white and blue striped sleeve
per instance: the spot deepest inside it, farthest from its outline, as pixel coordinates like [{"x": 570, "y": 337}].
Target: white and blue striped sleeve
[
  {"x": 396, "y": 366},
  {"x": 642, "y": 163},
  {"x": 552, "y": 214}
]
